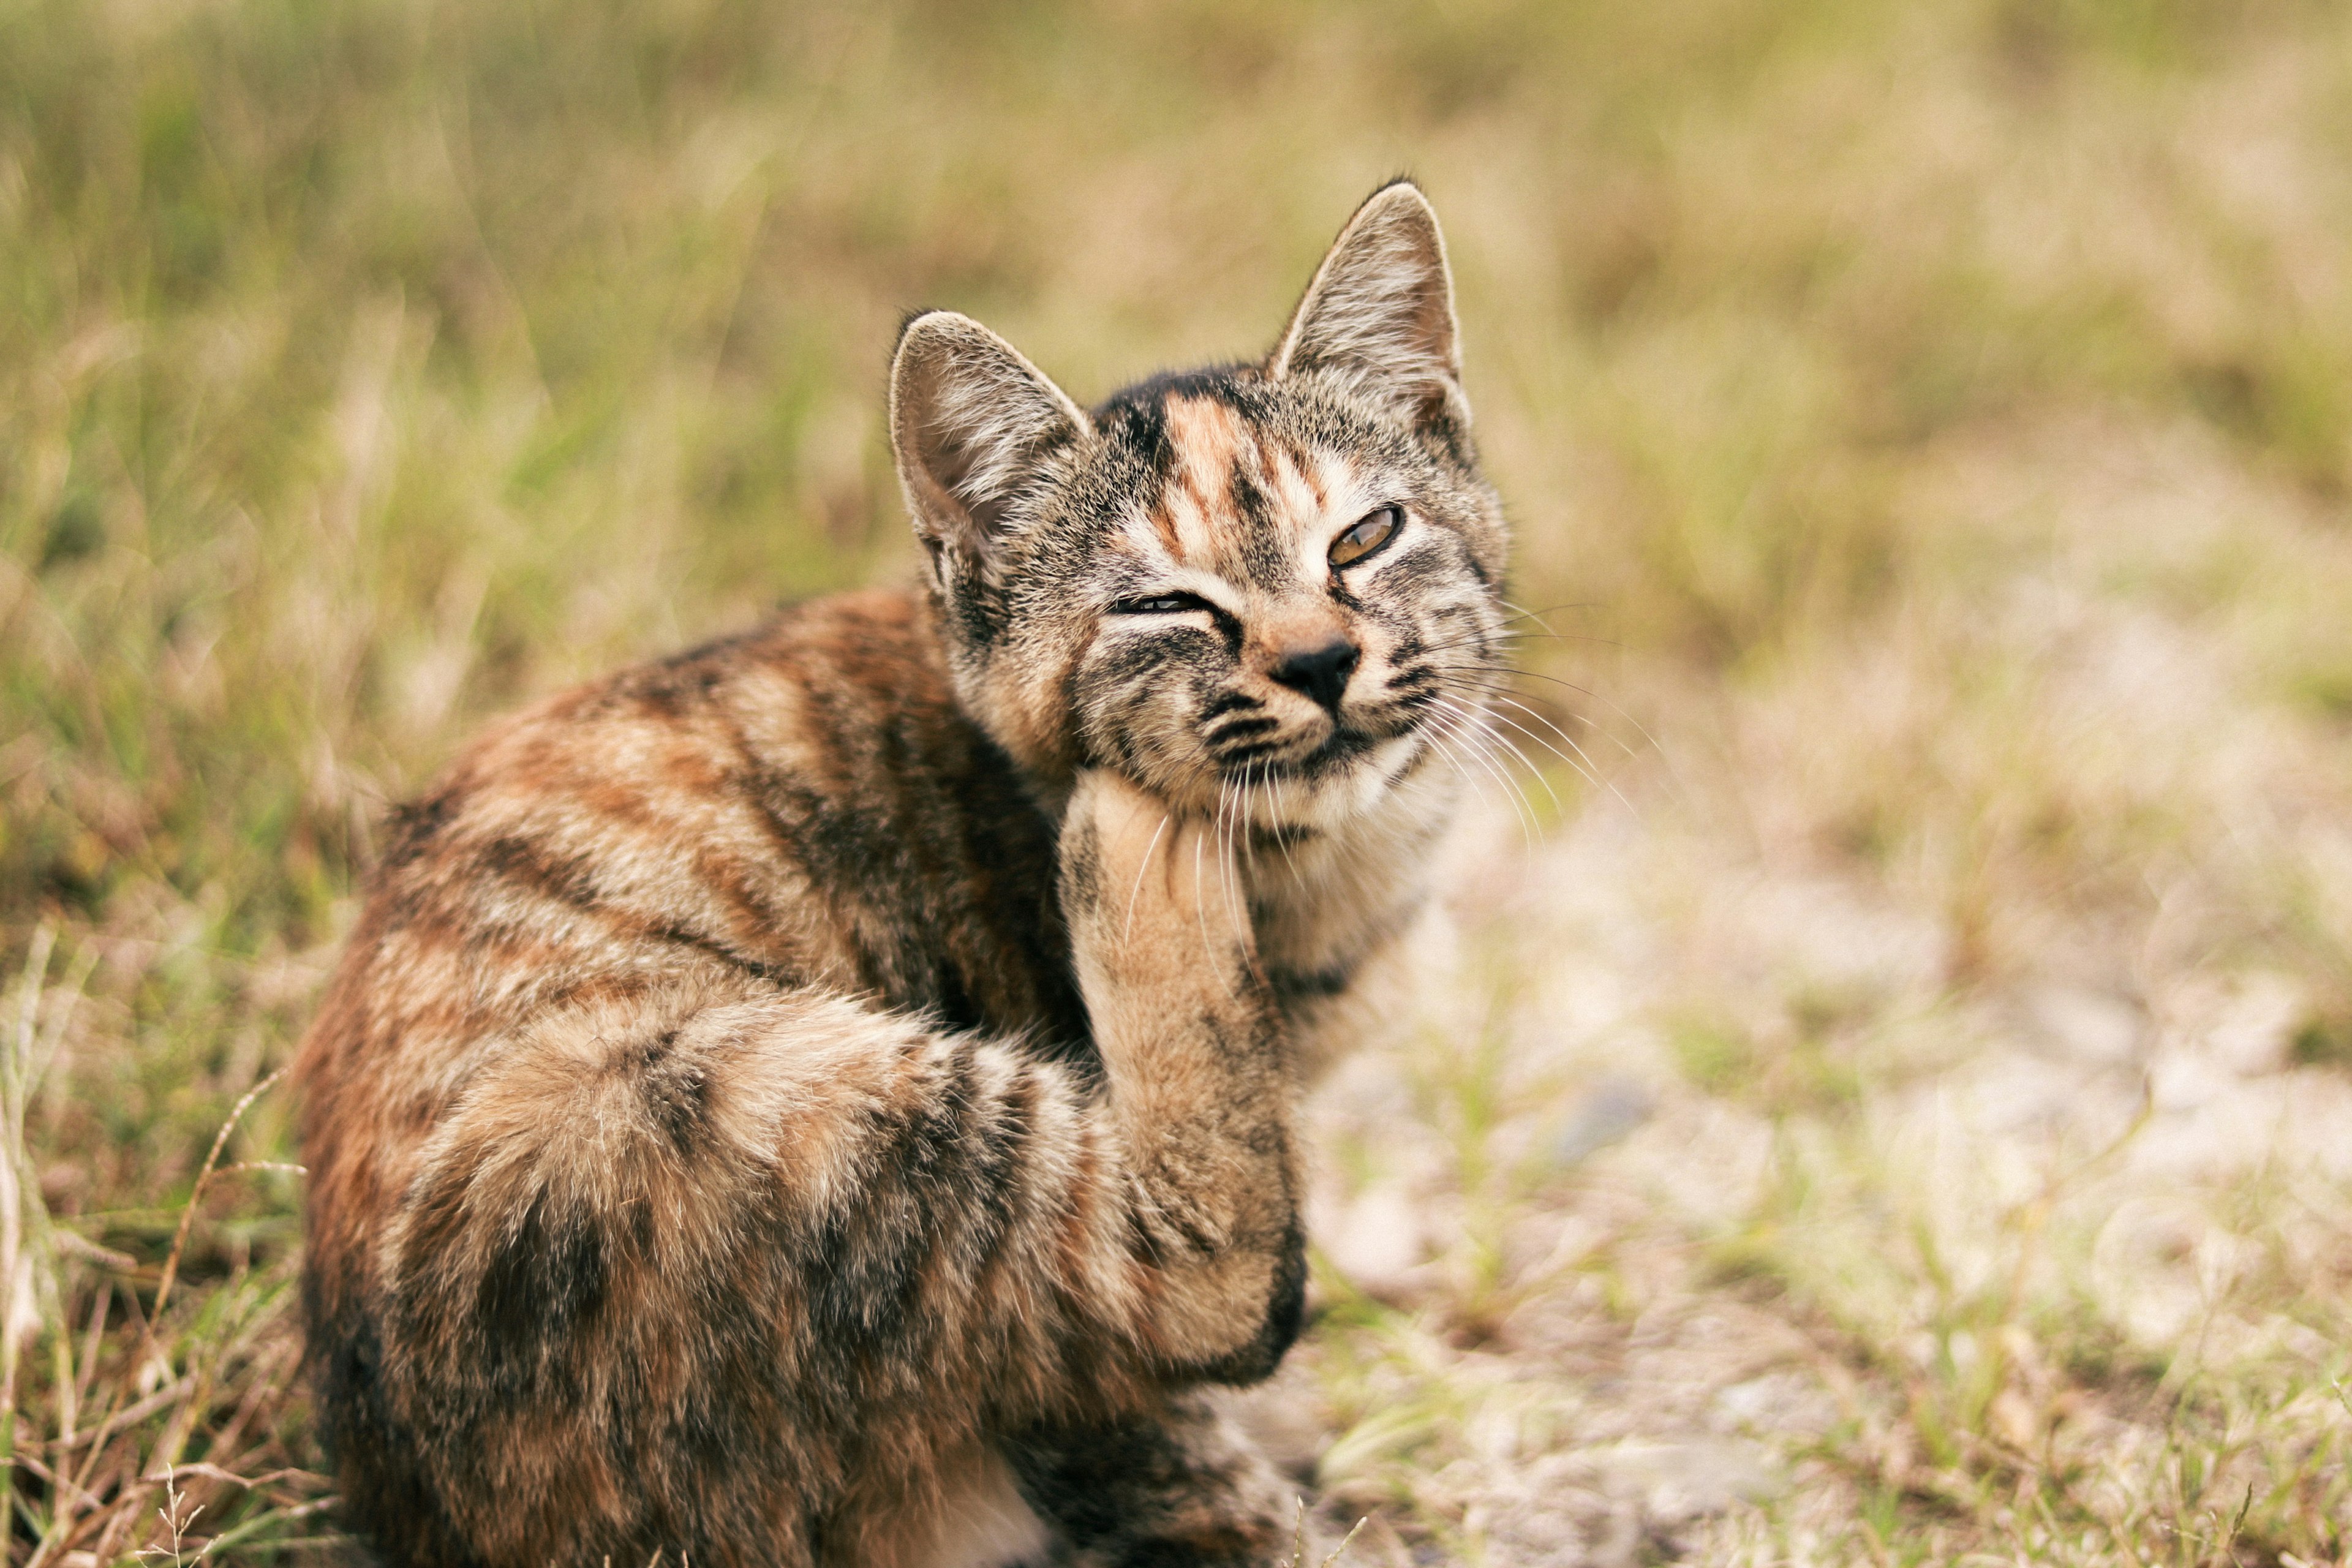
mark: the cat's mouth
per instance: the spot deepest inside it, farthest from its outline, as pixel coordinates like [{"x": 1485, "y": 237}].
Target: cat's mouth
[
  {"x": 1353, "y": 755},
  {"x": 1345, "y": 745},
  {"x": 1315, "y": 774},
  {"x": 1318, "y": 786}
]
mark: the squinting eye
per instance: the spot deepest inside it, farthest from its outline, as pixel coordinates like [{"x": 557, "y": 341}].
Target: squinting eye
[
  {"x": 1366, "y": 536},
  {"x": 1161, "y": 605}
]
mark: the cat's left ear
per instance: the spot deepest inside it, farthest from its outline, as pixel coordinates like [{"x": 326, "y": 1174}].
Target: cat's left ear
[
  {"x": 972, "y": 425},
  {"x": 1381, "y": 308}
]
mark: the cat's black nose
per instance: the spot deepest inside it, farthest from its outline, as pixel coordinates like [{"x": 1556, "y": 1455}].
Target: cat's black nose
[{"x": 1319, "y": 672}]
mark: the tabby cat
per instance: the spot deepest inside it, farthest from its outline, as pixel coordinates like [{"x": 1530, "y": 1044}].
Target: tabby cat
[{"x": 828, "y": 1097}]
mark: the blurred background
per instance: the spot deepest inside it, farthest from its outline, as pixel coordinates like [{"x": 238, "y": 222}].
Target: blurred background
[{"x": 1891, "y": 1102}]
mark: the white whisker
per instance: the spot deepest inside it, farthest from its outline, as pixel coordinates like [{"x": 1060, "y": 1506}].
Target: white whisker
[
  {"x": 1583, "y": 691},
  {"x": 1227, "y": 871},
  {"x": 1466, "y": 732},
  {"x": 1512, "y": 746},
  {"x": 1673, "y": 774},
  {"x": 1201, "y": 914},
  {"x": 1282, "y": 811},
  {"x": 1141, "y": 872},
  {"x": 1590, "y": 769}
]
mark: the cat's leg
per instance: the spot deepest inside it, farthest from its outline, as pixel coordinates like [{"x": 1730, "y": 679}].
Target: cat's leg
[
  {"x": 1200, "y": 1095},
  {"x": 715, "y": 1261},
  {"x": 1182, "y": 1488}
]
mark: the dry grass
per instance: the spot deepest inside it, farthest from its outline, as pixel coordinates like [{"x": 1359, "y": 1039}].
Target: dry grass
[{"x": 1892, "y": 1117}]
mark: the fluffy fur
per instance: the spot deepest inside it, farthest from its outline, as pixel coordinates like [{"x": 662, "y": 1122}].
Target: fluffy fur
[{"x": 827, "y": 1098}]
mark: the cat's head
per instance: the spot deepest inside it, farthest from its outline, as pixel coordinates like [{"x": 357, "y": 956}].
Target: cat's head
[{"x": 1275, "y": 582}]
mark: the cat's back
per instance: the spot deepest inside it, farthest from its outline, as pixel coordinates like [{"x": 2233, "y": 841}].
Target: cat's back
[{"x": 802, "y": 807}]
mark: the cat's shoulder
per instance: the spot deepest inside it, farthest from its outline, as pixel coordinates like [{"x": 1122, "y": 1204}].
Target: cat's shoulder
[
  {"x": 880, "y": 645},
  {"x": 808, "y": 674}
]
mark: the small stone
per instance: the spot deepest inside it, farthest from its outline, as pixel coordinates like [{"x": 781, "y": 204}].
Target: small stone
[
  {"x": 1375, "y": 1238},
  {"x": 2089, "y": 1027},
  {"x": 1606, "y": 1113},
  {"x": 1677, "y": 1483}
]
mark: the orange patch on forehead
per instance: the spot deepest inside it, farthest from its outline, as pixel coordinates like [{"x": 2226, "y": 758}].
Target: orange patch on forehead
[
  {"x": 1205, "y": 436},
  {"x": 1311, "y": 466},
  {"x": 1293, "y": 479},
  {"x": 1222, "y": 466},
  {"x": 1164, "y": 524}
]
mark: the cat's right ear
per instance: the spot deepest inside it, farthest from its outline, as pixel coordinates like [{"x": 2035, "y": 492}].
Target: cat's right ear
[{"x": 971, "y": 425}]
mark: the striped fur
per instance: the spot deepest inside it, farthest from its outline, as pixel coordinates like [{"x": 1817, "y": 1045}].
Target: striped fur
[{"x": 827, "y": 1098}]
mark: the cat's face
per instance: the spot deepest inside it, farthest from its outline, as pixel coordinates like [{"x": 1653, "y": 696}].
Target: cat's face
[
  {"x": 1291, "y": 601},
  {"x": 1270, "y": 589}
]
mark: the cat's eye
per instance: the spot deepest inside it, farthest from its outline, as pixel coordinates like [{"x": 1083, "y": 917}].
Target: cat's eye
[
  {"x": 1366, "y": 536},
  {"x": 1159, "y": 605}
]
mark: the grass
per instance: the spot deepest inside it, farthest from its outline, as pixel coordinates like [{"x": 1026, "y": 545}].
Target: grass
[{"x": 1888, "y": 1117}]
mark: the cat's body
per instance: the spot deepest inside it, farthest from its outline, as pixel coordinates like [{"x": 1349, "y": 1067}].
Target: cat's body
[{"x": 827, "y": 1098}]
